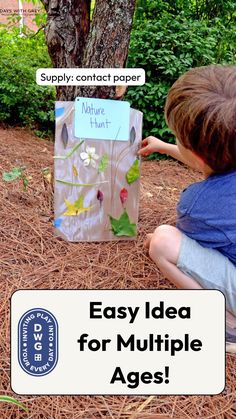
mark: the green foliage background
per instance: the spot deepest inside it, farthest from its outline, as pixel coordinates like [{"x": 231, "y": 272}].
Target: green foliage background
[
  {"x": 22, "y": 101},
  {"x": 168, "y": 38}
]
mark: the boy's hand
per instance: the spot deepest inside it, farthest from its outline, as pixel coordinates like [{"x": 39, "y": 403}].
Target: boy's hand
[{"x": 152, "y": 145}]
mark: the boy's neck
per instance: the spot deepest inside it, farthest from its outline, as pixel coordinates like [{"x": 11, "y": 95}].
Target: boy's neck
[{"x": 207, "y": 171}]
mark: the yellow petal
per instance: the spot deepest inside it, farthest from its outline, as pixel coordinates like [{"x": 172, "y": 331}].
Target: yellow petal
[
  {"x": 48, "y": 177},
  {"x": 70, "y": 212},
  {"x": 83, "y": 209},
  {"x": 75, "y": 171},
  {"x": 75, "y": 208},
  {"x": 71, "y": 209},
  {"x": 68, "y": 203}
]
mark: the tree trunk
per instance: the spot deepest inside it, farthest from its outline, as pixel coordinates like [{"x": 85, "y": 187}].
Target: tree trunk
[
  {"x": 73, "y": 43},
  {"x": 66, "y": 31}
]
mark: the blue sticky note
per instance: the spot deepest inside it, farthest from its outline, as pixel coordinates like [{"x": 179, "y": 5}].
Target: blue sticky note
[{"x": 102, "y": 119}]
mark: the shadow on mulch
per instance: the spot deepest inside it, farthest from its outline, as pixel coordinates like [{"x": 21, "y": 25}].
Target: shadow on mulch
[{"x": 31, "y": 257}]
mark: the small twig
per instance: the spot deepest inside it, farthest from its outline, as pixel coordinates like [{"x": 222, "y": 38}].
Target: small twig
[{"x": 36, "y": 33}]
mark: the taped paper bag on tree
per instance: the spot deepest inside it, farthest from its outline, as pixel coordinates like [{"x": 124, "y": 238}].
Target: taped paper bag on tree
[{"x": 97, "y": 170}]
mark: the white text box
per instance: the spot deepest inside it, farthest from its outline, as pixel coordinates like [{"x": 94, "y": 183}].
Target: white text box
[{"x": 118, "y": 342}]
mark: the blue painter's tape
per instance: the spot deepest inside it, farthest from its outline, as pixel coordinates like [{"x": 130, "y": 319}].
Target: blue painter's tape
[
  {"x": 59, "y": 112},
  {"x": 57, "y": 222}
]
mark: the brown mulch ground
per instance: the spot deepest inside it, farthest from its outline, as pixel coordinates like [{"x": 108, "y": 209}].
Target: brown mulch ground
[{"x": 31, "y": 257}]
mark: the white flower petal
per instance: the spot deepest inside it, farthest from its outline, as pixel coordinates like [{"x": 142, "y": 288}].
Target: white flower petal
[
  {"x": 93, "y": 163},
  {"x": 90, "y": 150},
  {"x": 86, "y": 162},
  {"x": 95, "y": 156},
  {"x": 84, "y": 155}
]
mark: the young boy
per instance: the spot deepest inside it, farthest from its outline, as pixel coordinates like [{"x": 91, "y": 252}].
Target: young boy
[{"x": 201, "y": 251}]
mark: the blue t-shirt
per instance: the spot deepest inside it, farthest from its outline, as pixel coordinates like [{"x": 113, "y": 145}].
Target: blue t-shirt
[{"x": 207, "y": 213}]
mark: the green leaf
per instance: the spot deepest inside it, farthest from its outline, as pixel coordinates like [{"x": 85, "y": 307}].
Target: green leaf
[
  {"x": 79, "y": 203},
  {"x": 14, "y": 174},
  {"x": 122, "y": 226},
  {"x": 8, "y": 399},
  {"x": 133, "y": 173},
  {"x": 25, "y": 183},
  {"x": 64, "y": 182},
  {"x": 103, "y": 163},
  {"x": 70, "y": 153}
]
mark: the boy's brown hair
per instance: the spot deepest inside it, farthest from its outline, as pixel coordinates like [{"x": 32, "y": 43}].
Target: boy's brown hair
[{"x": 201, "y": 111}]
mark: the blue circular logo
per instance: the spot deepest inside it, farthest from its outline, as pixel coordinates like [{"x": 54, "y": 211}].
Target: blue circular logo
[{"x": 38, "y": 342}]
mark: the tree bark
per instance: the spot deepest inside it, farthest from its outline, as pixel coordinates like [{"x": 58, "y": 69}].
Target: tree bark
[{"x": 73, "y": 43}]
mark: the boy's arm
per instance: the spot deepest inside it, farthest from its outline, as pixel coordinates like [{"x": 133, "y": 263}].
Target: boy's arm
[{"x": 154, "y": 145}]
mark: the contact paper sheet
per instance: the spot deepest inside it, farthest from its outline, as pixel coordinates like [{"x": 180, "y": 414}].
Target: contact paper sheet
[{"x": 96, "y": 181}]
